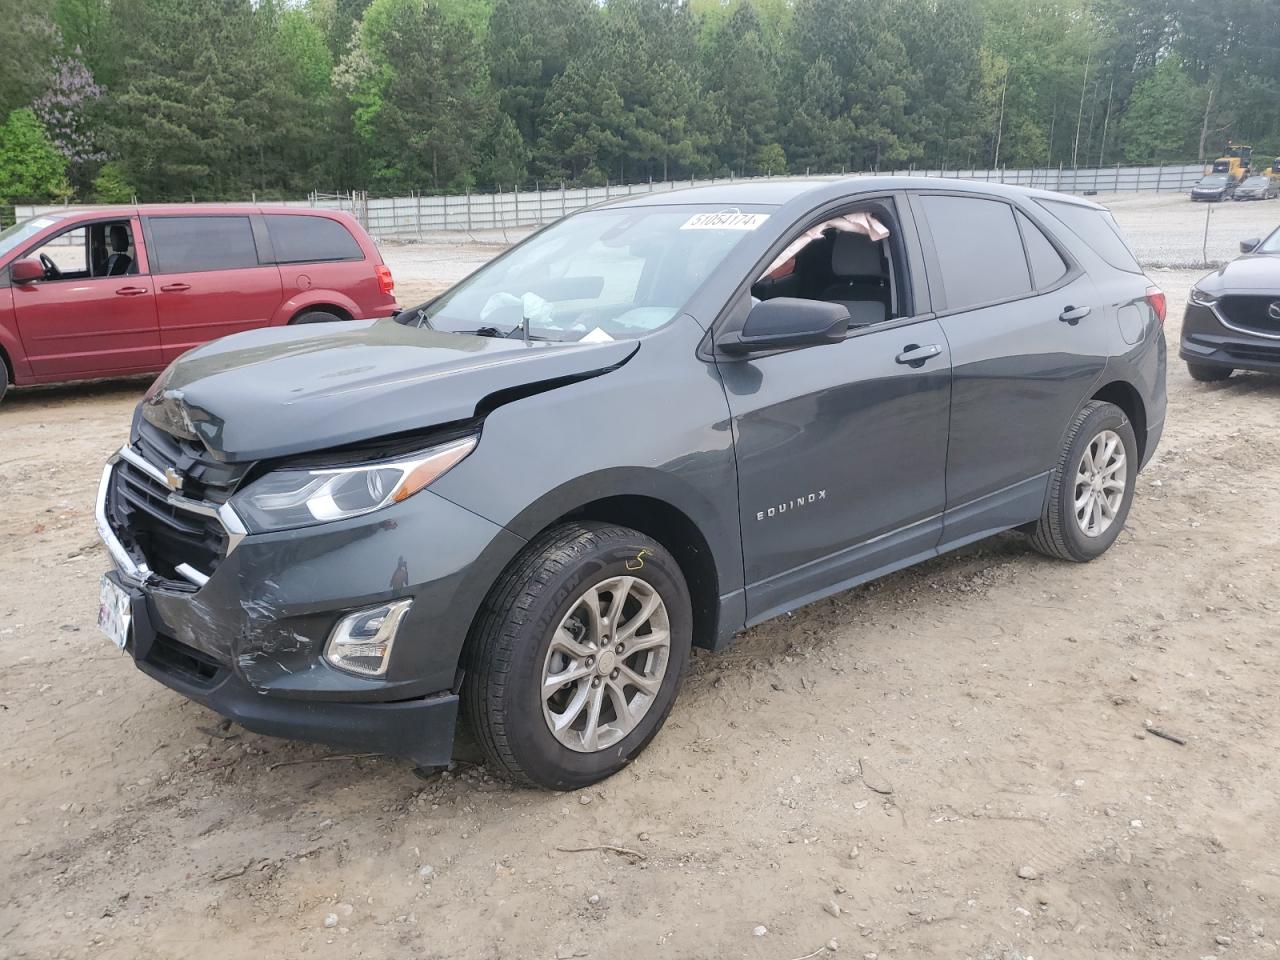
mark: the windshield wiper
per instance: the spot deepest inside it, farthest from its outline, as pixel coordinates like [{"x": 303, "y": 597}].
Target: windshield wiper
[{"x": 501, "y": 334}]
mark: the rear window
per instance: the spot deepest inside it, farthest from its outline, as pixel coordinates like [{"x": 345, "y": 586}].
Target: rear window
[
  {"x": 304, "y": 239},
  {"x": 1099, "y": 232},
  {"x": 979, "y": 250},
  {"x": 198, "y": 244},
  {"x": 1047, "y": 265}
]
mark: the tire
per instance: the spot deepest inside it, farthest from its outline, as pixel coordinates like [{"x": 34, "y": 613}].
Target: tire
[
  {"x": 1059, "y": 532},
  {"x": 4, "y": 378},
  {"x": 510, "y": 652},
  {"x": 315, "y": 316},
  {"x": 1207, "y": 374}
]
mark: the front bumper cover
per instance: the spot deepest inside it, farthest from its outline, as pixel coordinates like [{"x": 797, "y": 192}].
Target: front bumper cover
[
  {"x": 421, "y": 729},
  {"x": 248, "y": 641},
  {"x": 1212, "y": 341}
]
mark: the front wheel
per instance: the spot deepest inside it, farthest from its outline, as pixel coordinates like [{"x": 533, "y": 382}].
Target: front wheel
[
  {"x": 1091, "y": 487},
  {"x": 576, "y": 657},
  {"x": 1207, "y": 374}
]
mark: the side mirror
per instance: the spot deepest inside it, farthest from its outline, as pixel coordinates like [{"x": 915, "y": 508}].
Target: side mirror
[
  {"x": 784, "y": 323},
  {"x": 26, "y": 271},
  {"x": 1250, "y": 245}
]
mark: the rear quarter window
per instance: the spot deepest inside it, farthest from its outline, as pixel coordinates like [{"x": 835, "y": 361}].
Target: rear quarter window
[
  {"x": 1047, "y": 265},
  {"x": 1098, "y": 230},
  {"x": 305, "y": 239}
]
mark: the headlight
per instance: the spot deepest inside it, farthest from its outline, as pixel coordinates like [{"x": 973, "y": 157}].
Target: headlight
[
  {"x": 1202, "y": 298},
  {"x": 298, "y": 498}
]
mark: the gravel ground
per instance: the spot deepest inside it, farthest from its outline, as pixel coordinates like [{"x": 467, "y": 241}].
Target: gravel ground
[{"x": 955, "y": 761}]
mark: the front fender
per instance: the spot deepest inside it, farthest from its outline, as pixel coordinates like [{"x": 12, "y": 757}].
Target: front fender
[{"x": 658, "y": 427}]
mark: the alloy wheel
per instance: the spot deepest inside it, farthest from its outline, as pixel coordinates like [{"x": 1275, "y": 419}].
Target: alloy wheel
[
  {"x": 1100, "y": 483},
  {"x": 605, "y": 664}
]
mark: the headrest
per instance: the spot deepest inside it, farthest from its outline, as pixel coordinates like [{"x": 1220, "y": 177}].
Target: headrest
[
  {"x": 118, "y": 237},
  {"x": 855, "y": 255}
]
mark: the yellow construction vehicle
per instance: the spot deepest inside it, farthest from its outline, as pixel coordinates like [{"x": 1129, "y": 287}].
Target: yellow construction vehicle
[
  {"x": 1274, "y": 170},
  {"x": 1235, "y": 162}
]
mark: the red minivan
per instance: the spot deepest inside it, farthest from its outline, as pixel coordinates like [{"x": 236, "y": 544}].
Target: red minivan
[{"x": 101, "y": 293}]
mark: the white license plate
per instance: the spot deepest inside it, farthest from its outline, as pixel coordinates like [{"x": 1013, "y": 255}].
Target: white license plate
[{"x": 115, "y": 614}]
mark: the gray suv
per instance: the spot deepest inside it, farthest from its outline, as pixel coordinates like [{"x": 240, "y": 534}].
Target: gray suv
[{"x": 647, "y": 427}]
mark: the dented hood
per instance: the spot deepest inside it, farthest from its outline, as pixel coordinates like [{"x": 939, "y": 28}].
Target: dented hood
[{"x": 281, "y": 391}]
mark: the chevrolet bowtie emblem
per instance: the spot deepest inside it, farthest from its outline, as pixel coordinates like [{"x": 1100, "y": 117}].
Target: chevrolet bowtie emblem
[{"x": 173, "y": 478}]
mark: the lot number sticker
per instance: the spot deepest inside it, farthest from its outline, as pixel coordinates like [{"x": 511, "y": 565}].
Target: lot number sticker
[{"x": 725, "y": 220}]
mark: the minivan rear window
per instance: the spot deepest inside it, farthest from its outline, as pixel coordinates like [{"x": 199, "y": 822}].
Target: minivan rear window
[
  {"x": 198, "y": 244},
  {"x": 300, "y": 238},
  {"x": 1098, "y": 230}
]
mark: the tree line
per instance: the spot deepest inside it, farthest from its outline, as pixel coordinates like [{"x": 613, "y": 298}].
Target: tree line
[{"x": 106, "y": 100}]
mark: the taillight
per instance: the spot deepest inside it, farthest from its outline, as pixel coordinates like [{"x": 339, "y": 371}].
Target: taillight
[
  {"x": 386, "y": 284},
  {"x": 1156, "y": 300}
]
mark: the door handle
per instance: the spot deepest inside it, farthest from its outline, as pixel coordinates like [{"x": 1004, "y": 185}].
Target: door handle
[
  {"x": 175, "y": 287},
  {"x": 914, "y": 355},
  {"x": 131, "y": 291},
  {"x": 1074, "y": 315}
]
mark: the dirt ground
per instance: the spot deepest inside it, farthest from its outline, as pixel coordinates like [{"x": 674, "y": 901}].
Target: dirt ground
[{"x": 867, "y": 777}]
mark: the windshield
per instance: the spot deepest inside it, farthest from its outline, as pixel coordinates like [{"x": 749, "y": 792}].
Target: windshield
[
  {"x": 1270, "y": 245},
  {"x": 22, "y": 231},
  {"x": 600, "y": 275},
  {"x": 1213, "y": 181},
  {"x": 1255, "y": 182}
]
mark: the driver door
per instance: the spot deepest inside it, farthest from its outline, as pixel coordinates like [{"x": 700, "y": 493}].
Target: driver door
[
  {"x": 841, "y": 447},
  {"x": 74, "y": 324}
]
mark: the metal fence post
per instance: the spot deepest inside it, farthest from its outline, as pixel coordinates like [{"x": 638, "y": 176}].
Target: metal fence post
[
  {"x": 418, "y": 214},
  {"x": 562, "y": 198}
]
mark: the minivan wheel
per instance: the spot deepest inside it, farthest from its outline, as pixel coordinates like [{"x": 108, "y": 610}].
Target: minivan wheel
[
  {"x": 4, "y": 378},
  {"x": 1091, "y": 488},
  {"x": 316, "y": 316},
  {"x": 1207, "y": 374},
  {"x": 577, "y": 655}
]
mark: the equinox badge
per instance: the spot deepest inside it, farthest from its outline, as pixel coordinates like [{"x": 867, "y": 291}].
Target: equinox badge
[{"x": 801, "y": 501}]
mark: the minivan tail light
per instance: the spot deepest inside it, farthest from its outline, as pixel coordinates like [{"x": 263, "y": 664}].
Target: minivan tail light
[
  {"x": 1156, "y": 300},
  {"x": 386, "y": 283}
]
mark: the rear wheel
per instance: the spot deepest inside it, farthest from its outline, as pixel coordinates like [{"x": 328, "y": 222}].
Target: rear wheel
[
  {"x": 4, "y": 378},
  {"x": 577, "y": 656},
  {"x": 316, "y": 316},
  {"x": 1208, "y": 374},
  {"x": 1091, "y": 487}
]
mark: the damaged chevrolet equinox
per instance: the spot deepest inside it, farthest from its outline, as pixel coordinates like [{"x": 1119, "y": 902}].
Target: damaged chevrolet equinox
[{"x": 645, "y": 428}]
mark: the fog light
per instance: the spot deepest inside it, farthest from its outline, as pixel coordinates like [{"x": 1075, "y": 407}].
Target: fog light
[{"x": 361, "y": 643}]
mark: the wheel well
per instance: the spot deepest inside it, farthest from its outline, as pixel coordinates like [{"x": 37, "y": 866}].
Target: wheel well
[
  {"x": 1124, "y": 396},
  {"x": 326, "y": 307},
  {"x": 684, "y": 541}
]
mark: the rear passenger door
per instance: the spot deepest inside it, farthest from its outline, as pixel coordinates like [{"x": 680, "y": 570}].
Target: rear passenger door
[
  {"x": 1027, "y": 343},
  {"x": 210, "y": 280}
]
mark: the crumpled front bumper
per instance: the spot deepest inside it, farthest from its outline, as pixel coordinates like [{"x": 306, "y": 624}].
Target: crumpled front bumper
[{"x": 247, "y": 641}]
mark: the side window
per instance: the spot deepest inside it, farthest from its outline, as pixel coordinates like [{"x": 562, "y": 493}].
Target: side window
[
  {"x": 850, "y": 259},
  {"x": 1098, "y": 230},
  {"x": 1047, "y": 265},
  {"x": 198, "y": 244},
  {"x": 979, "y": 250},
  {"x": 65, "y": 256},
  {"x": 300, "y": 238}
]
